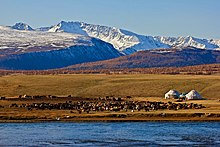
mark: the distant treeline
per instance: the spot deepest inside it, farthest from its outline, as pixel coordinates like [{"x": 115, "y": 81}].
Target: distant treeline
[{"x": 207, "y": 69}]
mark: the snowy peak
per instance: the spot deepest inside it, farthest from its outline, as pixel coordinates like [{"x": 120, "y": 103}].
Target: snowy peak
[
  {"x": 187, "y": 41},
  {"x": 22, "y": 26},
  {"x": 125, "y": 41},
  {"x": 68, "y": 27},
  {"x": 111, "y": 35},
  {"x": 129, "y": 42},
  {"x": 43, "y": 50},
  {"x": 16, "y": 41}
]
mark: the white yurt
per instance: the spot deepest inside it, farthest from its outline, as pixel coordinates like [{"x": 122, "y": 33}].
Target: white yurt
[
  {"x": 172, "y": 94},
  {"x": 193, "y": 95}
]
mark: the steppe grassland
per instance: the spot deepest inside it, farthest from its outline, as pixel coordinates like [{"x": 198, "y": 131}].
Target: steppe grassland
[{"x": 95, "y": 85}]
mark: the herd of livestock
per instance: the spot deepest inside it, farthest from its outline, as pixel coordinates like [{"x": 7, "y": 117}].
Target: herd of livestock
[{"x": 115, "y": 104}]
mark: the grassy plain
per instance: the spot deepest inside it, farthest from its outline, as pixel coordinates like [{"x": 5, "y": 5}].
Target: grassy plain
[
  {"x": 92, "y": 85},
  {"x": 140, "y": 87}
]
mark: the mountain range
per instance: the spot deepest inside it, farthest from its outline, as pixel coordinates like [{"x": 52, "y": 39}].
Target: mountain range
[
  {"x": 173, "y": 57},
  {"x": 69, "y": 43},
  {"x": 123, "y": 40}
]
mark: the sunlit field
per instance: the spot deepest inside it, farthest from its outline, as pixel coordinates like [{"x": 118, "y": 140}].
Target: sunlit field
[{"x": 138, "y": 85}]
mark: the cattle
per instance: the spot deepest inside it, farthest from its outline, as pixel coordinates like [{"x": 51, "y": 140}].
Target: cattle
[
  {"x": 113, "y": 104},
  {"x": 2, "y": 98}
]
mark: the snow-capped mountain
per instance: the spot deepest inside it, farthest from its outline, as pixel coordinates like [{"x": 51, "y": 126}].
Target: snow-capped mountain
[
  {"x": 187, "y": 41},
  {"x": 27, "y": 41},
  {"x": 125, "y": 41},
  {"x": 44, "y": 50},
  {"x": 122, "y": 40},
  {"x": 216, "y": 42},
  {"x": 22, "y": 26},
  {"x": 68, "y": 43},
  {"x": 129, "y": 42},
  {"x": 69, "y": 27}
]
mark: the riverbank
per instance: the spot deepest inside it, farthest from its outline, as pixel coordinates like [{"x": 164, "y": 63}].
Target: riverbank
[{"x": 113, "y": 119}]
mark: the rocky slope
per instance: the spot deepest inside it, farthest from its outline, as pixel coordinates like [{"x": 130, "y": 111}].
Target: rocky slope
[
  {"x": 68, "y": 43},
  {"x": 129, "y": 42},
  {"x": 156, "y": 58},
  {"x": 125, "y": 41},
  {"x": 22, "y": 26},
  {"x": 43, "y": 50}
]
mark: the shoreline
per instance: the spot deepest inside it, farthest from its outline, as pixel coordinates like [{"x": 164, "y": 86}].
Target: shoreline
[{"x": 106, "y": 119}]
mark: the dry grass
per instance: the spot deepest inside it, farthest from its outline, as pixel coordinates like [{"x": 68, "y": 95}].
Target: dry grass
[
  {"x": 102, "y": 85},
  {"x": 141, "y": 87}
]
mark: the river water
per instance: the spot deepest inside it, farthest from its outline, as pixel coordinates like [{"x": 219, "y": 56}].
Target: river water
[{"x": 110, "y": 134}]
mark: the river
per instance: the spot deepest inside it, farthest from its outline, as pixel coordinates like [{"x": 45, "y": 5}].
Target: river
[{"x": 110, "y": 134}]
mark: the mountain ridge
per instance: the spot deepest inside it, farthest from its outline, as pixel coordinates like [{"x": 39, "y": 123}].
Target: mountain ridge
[
  {"x": 30, "y": 50},
  {"x": 22, "y": 26},
  {"x": 53, "y": 59},
  {"x": 69, "y": 43},
  {"x": 155, "y": 58},
  {"x": 129, "y": 42}
]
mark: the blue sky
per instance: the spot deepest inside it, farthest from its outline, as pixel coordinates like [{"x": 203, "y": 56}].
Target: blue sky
[{"x": 199, "y": 18}]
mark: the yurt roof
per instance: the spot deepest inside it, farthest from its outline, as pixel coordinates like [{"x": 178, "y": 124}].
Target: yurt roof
[
  {"x": 173, "y": 92},
  {"x": 193, "y": 94}
]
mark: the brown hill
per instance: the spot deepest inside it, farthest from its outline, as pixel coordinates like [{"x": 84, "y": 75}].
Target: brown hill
[
  {"x": 155, "y": 58},
  {"x": 205, "y": 69}
]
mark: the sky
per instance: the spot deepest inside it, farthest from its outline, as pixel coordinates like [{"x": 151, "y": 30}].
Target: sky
[{"x": 199, "y": 18}]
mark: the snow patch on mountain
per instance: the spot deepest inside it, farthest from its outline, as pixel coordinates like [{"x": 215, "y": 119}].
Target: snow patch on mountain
[
  {"x": 129, "y": 42},
  {"x": 22, "y": 26},
  {"x": 125, "y": 41},
  {"x": 187, "y": 41},
  {"x": 25, "y": 41},
  {"x": 22, "y": 49},
  {"x": 110, "y": 34},
  {"x": 216, "y": 42},
  {"x": 68, "y": 27},
  {"x": 122, "y": 39}
]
